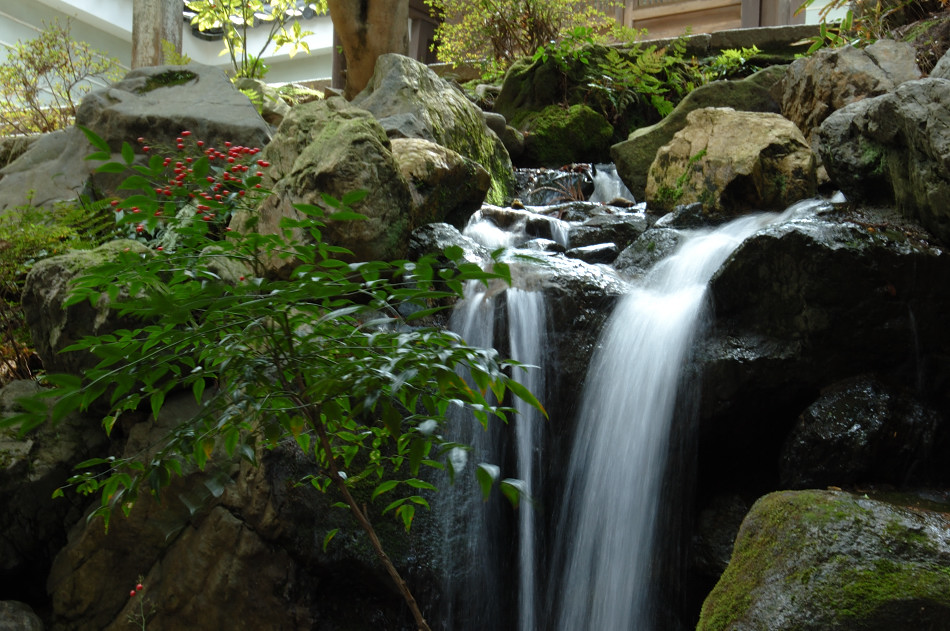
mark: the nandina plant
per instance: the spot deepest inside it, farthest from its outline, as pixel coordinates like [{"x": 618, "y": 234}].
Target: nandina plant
[{"x": 334, "y": 358}]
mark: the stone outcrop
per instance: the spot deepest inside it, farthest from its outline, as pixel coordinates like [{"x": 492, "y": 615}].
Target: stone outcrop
[
  {"x": 801, "y": 306},
  {"x": 895, "y": 147},
  {"x": 411, "y": 101},
  {"x": 156, "y": 103},
  {"x": 53, "y": 325},
  {"x": 770, "y": 169},
  {"x": 815, "y": 560},
  {"x": 634, "y": 155},
  {"x": 332, "y": 148},
  {"x": 864, "y": 431},
  {"x": 445, "y": 185},
  {"x": 817, "y": 85},
  {"x": 557, "y": 136}
]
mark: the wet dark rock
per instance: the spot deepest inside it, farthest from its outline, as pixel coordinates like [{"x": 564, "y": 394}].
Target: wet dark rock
[
  {"x": 650, "y": 247},
  {"x": 434, "y": 238},
  {"x": 598, "y": 253},
  {"x": 717, "y": 525},
  {"x": 532, "y": 223},
  {"x": 33, "y": 525},
  {"x": 802, "y": 305},
  {"x": 546, "y": 187},
  {"x": 607, "y": 225},
  {"x": 817, "y": 560},
  {"x": 864, "y": 431}
]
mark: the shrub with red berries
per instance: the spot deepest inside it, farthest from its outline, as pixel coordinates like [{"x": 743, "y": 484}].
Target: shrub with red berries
[{"x": 193, "y": 180}]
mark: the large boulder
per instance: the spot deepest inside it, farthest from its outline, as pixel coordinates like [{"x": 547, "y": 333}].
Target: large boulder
[
  {"x": 411, "y": 101},
  {"x": 238, "y": 533},
  {"x": 770, "y": 169},
  {"x": 330, "y": 147},
  {"x": 33, "y": 526},
  {"x": 445, "y": 185},
  {"x": 634, "y": 155},
  {"x": 817, "y": 85},
  {"x": 895, "y": 147},
  {"x": 862, "y": 430},
  {"x": 54, "y": 325},
  {"x": 801, "y": 305},
  {"x": 560, "y": 136},
  {"x": 156, "y": 103},
  {"x": 816, "y": 560}
]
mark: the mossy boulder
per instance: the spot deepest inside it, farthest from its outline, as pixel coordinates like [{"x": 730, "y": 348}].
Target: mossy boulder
[
  {"x": 557, "y": 136},
  {"x": 331, "y": 147},
  {"x": 411, "y": 101},
  {"x": 53, "y": 325},
  {"x": 634, "y": 156},
  {"x": 817, "y": 560},
  {"x": 771, "y": 168}
]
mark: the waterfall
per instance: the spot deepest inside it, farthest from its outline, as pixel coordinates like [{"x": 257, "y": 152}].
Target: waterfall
[
  {"x": 605, "y": 537},
  {"x": 608, "y": 185},
  {"x": 475, "y": 543}
]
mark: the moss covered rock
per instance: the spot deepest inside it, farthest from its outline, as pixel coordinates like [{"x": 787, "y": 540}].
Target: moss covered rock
[
  {"x": 411, "y": 101},
  {"x": 330, "y": 147},
  {"x": 634, "y": 156},
  {"x": 557, "y": 136},
  {"x": 817, "y": 560}
]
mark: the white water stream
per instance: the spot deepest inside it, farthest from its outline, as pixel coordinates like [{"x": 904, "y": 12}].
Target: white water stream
[{"x": 606, "y": 533}]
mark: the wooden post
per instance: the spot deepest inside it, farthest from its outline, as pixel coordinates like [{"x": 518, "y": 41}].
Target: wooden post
[{"x": 152, "y": 22}]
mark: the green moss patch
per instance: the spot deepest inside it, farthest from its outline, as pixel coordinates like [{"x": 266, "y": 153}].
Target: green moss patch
[{"x": 167, "y": 79}]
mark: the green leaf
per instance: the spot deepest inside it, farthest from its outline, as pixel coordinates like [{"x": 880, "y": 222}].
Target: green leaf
[
  {"x": 128, "y": 154},
  {"x": 111, "y": 167},
  {"x": 384, "y": 487},
  {"x": 94, "y": 139},
  {"x": 486, "y": 474},
  {"x": 329, "y": 536},
  {"x": 420, "y": 484}
]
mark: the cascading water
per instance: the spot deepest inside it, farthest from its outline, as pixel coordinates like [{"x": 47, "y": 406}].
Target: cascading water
[
  {"x": 606, "y": 529},
  {"x": 473, "y": 546}
]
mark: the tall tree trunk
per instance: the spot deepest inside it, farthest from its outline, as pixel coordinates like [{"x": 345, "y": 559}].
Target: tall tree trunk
[
  {"x": 152, "y": 22},
  {"x": 368, "y": 29}
]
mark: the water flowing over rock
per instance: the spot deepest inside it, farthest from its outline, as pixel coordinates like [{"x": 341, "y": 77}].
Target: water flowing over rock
[
  {"x": 802, "y": 305},
  {"x": 817, "y": 85},
  {"x": 771, "y": 168},
  {"x": 634, "y": 155},
  {"x": 895, "y": 147},
  {"x": 330, "y": 147},
  {"x": 411, "y": 101},
  {"x": 816, "y": 560},
  {"x": 156, "y": 103},
  {"x": 863, "y": 431}
]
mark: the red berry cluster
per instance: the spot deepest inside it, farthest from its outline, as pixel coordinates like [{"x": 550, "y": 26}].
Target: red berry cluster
[
  {"x": 139, "y": 587},
  {"x": 216, "y": 190}
]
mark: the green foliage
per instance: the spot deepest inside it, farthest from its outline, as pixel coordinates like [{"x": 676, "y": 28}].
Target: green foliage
[
  {"x": 863, "y": 23},
  {"x": 334, "y": 359},
  {"x": 731, "y": 62},
  {"x": 27, "y": 235},
  {"x": 172, "y": 57},
  {"x": 491, "y": 34},
  {"x": 233, "y": 18},
  {"x": 43, "y": 79}
]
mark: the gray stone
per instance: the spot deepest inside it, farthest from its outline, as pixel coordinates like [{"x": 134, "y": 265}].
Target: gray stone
[
  {"x": 445, "y": 185},
  {"x": 896, "y": 146},
  {"x": 54, "y": 326},
  {"x": 942, "y": 68},
  {"x": 634, "y": 156},
  {"x": 770, "y": 169},
  {"x": 330, "y": 147},
  {"x": 817, "y": 85},
  {"x": 411, "y": 101},
  {"x": 816, "y": 560},
  {"x": 17, "y": 616}
]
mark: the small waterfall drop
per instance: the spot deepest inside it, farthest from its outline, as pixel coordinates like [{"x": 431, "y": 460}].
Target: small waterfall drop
[
  {"x": 606, "y": 529},
  {"x": 607, "y": 185},
  {"x": 479, "y": 555}
]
